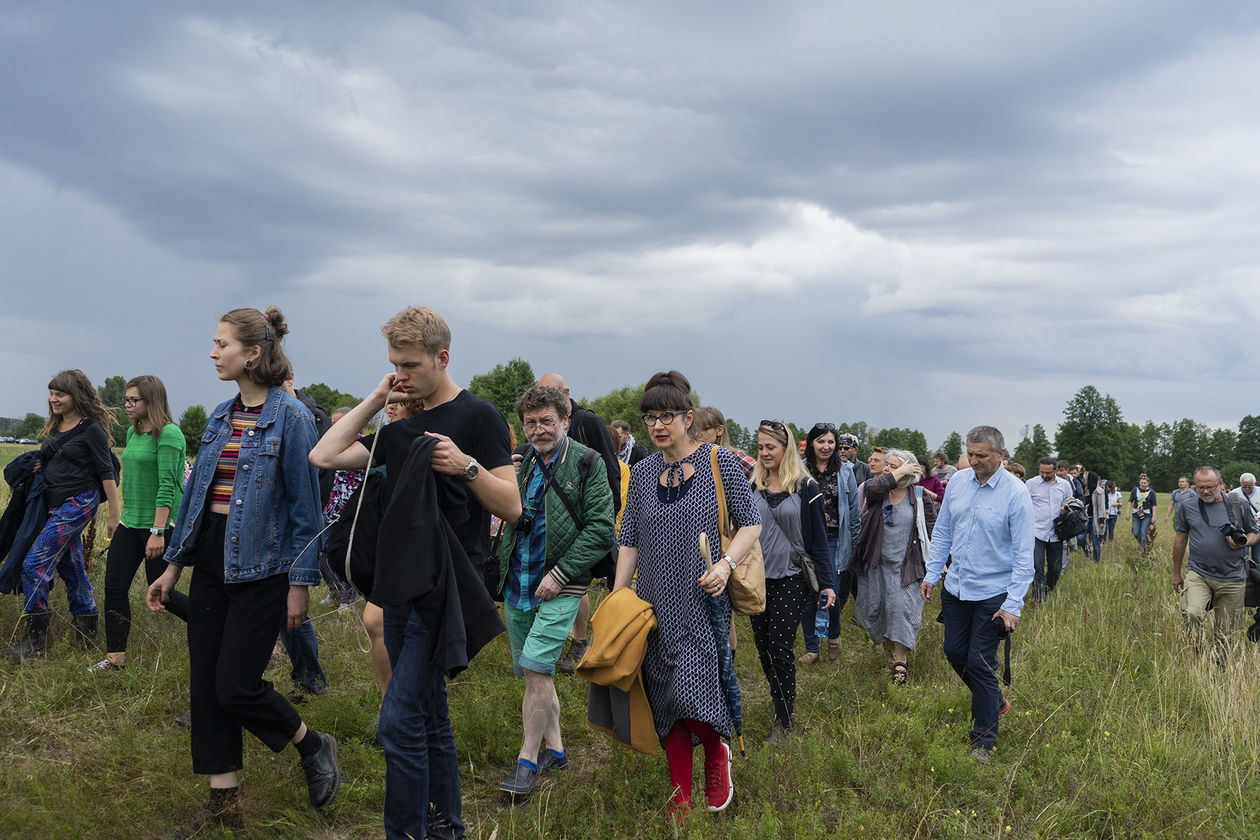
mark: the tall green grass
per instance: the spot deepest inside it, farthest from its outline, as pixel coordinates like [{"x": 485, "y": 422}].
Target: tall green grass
[{"x": 1117, "y": 731}]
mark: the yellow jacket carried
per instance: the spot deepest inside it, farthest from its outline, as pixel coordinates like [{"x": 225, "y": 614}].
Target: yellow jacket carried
[{"x": 616, "y": 701}]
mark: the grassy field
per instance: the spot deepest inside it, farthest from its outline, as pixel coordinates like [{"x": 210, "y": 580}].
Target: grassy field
[{"x": 1116, "y": 731}]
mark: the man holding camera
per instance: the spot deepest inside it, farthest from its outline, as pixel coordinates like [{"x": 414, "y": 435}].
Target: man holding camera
[
  {"x": 985, "y": 526},
  {"x": 545, "y": 564},
  {"x": 1217, "y": 570}
]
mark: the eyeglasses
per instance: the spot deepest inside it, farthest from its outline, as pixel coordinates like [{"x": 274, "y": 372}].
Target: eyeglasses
[
  {"x": 846, "y": 446},
  {"x": 888, "y": 509},
  {"x": 132, "y": 400},
  {"x": 826, "y": 427},
  {"x": 543, "y": 423},
  {"x": 773, "y": 424},
  {"x": 664, "y": 418}
]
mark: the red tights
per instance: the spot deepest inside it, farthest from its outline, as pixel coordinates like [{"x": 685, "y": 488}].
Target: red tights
[{"x": 678, "y": 751}]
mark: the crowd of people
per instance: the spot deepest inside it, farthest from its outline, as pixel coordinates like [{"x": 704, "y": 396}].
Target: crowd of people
[{"x": 439, "y": 514}]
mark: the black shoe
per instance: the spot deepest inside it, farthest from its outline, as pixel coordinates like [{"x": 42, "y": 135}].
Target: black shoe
[
  {"x": 520, "y": 782},
  {"x": 549, "y": 761},
  {"x": 34, "y": 641},
  {"x": 223, "y": 811},
  {"x": 323, "y": 776},
  {"x": 569, "y": 662},
  {"x": 84, "y": 631}
]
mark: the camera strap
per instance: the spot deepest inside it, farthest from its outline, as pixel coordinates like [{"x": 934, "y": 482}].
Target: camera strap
[
  {"x": 1229, "y": 512},
  {"x": 550, "y": 478}
]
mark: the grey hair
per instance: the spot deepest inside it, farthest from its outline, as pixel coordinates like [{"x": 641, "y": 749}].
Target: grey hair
[
  {"x": 1246, "y": 477},
  {"x": 989, "y": 435},
  {"x": 905, "y": 457}
]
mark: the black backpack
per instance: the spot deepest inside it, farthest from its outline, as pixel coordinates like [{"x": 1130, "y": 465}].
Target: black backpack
[{"x": 1073, "y": 521}]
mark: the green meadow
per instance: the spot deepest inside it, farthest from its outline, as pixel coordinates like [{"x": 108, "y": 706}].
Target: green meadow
[{"x": 1116, "y": 731}]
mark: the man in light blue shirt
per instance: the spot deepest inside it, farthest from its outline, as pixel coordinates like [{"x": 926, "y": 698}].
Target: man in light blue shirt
[
  {"x": 986, "y": 526},
  {"x": 1048, "y": 493}
]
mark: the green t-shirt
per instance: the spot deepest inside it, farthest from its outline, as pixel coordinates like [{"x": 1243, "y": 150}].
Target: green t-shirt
[{"x": 152, "y": 476}]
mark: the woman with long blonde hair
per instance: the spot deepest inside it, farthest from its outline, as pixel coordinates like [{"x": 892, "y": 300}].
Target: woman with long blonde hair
[{"x": 793, "y": 542}]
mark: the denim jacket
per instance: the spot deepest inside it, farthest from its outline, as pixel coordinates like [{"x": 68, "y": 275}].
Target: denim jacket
[{"x": 274, "y": 517}]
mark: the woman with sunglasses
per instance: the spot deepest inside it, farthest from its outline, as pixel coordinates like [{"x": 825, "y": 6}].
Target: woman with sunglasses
[
  {"x": 890, "y": 559},
  {"x": 840, "y": 513},
  {"x": 672, "y": 499},
  {"x": 793, "y": 541},
  {"x": 152, "y": 488}
]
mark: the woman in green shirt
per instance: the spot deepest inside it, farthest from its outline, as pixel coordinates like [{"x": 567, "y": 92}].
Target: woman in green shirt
[{"x": 152, "y": 487}]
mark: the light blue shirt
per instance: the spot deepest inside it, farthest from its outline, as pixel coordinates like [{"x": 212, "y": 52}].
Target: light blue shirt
[{"x": 988, "y": 529}]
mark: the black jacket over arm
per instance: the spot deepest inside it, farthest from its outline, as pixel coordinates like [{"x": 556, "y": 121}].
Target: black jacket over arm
[{"x": 420, "y": 562}]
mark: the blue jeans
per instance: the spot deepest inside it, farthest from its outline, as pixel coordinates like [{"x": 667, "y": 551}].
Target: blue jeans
[
  {"x": 810, "y": 618},
  {"x": 1096, "y": 539},
  {"x": 1111, "y": 526},
  {"x": 1141, "y": 524},
  {"x": 303, "y": 652},
  {"x": 415, "y": 730},
  {"x": 971, "y": 648}
]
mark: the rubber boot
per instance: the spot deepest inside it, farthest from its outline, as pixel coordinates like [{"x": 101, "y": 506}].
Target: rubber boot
[
  {"x": 85, "y": 630},
  {"x": 34, "y": 641}
]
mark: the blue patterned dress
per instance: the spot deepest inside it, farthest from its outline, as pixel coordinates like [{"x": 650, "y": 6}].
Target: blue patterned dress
[{"x": 681, "y": 667}]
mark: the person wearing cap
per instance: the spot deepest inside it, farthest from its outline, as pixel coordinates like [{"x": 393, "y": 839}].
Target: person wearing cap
[{"x": 847, "y": 446}]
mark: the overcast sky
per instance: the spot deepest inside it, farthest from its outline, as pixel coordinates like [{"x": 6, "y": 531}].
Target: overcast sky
[{"x": 915, "y": 214}]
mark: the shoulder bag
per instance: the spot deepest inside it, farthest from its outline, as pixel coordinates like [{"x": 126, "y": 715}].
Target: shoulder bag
[{"x": 747, "y": 583}]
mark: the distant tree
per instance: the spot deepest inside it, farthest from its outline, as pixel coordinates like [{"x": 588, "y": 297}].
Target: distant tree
[
  {"x": 1221, "y": 446},
  {"x": 1187, "y": 448},
  {"x": 503, "y": 386},
  {"x": 1248, "y": 446},
  {"x": 953, "y": 447},
  {"x": 798, "y": 434},
  {"x": 112, "y": 394},
  {"x": 621, "y": 404},
  {"x": 192, "y": 423},
  {"x": 897, "y": 438},
  {"x": 29, "y": 427},
  {"x": 1092, "y": 432},
  {"x": 741, "y": 438},
  {"x": 329, "y": 398}
]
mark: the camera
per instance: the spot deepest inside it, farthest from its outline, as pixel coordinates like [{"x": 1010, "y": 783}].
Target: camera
[
  {"x": 525, "y": 524},
  {"x": 1238, "y": 535}
]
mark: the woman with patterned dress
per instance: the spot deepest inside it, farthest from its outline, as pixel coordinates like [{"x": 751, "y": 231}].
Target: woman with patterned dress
[
  {"x": 889, "y": 559},
  {"x": 671, "y": 500}
]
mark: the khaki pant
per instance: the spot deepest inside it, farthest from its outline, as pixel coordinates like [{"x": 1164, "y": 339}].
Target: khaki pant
[{"x": 1225, "y": 600}]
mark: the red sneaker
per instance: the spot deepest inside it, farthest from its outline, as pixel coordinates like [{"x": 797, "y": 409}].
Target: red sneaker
[
  {"x": 719, "y": 790},
  {"x": 1006, "y": 706}
]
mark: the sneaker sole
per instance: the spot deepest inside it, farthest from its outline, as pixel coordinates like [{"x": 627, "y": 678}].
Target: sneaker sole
[{"x": 730, "y": 788}]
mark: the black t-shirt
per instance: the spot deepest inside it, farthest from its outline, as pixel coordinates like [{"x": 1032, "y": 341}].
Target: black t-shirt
[
  {"x": 81, "y": 464},
  {"x": 477, "y": 428}
]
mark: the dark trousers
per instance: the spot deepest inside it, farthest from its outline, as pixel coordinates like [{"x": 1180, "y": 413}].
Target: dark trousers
[
  {"x": 846, "y": 585},
  {"x": 774, "y": 632},
  {"x": 1046, "y": 574},
  {"x": 232, "y": 629},
  {"x": 126, "y": 553},
  {"x": 971, "y": 648}
]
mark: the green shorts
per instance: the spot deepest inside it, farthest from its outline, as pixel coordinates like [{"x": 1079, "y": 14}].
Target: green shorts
[{"x": 537, "y": 636}]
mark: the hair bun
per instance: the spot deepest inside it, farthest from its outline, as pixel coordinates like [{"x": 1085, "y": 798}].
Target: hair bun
[
  {"x": 673, "y": 379},
  {"x": 276, "y": 319}
]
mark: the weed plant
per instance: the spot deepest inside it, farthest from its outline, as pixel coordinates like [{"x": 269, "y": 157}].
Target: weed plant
[{"x": 1116, "y": 731}]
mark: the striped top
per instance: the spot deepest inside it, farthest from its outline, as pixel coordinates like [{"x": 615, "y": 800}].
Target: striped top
[{"x": 243, "y": 418}]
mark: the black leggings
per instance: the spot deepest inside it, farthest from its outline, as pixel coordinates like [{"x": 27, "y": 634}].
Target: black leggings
[
  {"x": 126, "y": 552},
  {"x": 774, "y": 632}
]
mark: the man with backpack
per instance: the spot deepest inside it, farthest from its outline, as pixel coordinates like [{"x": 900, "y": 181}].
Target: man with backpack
[{"x": 1049, "y": 492}]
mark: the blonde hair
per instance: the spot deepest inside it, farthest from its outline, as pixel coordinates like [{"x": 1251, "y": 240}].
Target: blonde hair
[
  {"x": 419, "y": 326},
  {"x": 791, "y": 468}
]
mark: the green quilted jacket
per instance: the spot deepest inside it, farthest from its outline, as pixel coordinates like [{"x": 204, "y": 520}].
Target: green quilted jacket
[{"x": 570, "y": 551}]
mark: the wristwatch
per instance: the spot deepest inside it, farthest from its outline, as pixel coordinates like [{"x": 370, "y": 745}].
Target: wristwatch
[
  {"x": 470, "y": 471},
  {"x": 729, "y": 561},
  {"x": 157, "y": 532}
]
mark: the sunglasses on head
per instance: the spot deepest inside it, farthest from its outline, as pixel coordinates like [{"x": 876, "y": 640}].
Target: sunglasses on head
[
  {"x": 826, "y": 427},
  {"x": 773, "y": 424}
]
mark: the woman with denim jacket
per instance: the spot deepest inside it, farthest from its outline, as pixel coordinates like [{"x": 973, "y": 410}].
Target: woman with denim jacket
[{"x": 247, "y": 524}]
